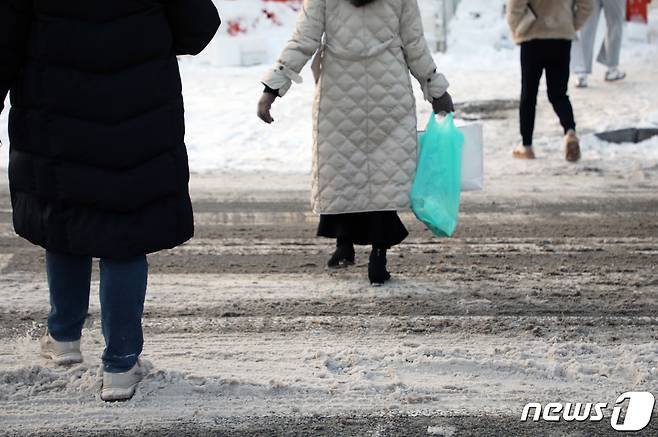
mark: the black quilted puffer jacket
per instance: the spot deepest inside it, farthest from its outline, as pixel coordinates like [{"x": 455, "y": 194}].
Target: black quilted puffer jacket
[{"x": 98, "y": 164}]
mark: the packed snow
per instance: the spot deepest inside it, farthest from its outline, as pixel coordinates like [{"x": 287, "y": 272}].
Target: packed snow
[{"x": 328, "y": 365}]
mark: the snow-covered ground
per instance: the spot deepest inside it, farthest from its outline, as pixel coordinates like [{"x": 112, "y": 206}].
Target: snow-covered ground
[
  {"x": 542, "y": 297},
  {"x": 482, "y": 64},
  {"x": 328, "y": 365}
]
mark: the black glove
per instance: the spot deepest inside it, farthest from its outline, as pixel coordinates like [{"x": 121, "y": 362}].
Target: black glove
[
  {"x": 264, "y": 106},
  {"x": 443, "y": 104}
]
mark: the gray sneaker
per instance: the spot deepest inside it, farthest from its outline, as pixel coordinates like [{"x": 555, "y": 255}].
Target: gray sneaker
[
  {"x": 613, "y": 75},
  {"x": 122, "y": 386},
  {"x": 61, "y": 352}
]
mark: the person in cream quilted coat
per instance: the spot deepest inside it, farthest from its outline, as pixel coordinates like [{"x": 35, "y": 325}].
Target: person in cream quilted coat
[{"x": 364, "y": 116}]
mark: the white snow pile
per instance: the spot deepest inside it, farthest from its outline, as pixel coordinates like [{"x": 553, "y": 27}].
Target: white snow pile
[
  {"x": 479, "y": 28},
  {"x": 224, "y": 134},
  {"x": 25, "y": 383}
]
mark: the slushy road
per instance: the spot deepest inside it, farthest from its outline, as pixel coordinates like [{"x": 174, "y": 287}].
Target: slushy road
[{"x": 543, "y": 295}]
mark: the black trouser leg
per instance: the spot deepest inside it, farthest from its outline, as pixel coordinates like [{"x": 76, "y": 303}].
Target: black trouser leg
[
  {"x": 531, "y": 71},
  {"x": 377, "y": 272},
  {"x": 343, "y": 242},
  {"x": 69, "y": 280},
  {"x": 557, "y": 82}
]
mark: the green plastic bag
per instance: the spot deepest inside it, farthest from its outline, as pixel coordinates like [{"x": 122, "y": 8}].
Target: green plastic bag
[{"x": 436, "y": 190}]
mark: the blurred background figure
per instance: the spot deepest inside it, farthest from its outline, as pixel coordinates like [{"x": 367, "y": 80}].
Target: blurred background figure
[
  {"x": 545, "y": 29},
  {"x": 583, "y": 48}
]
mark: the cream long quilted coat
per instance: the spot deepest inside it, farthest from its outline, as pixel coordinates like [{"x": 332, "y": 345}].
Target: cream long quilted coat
[{"x": 364, "y": 113}]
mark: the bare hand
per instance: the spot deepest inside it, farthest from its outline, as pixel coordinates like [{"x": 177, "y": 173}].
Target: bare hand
[
  {"x": 443, "y": 104},
  {"x": 264, "y": 106}
]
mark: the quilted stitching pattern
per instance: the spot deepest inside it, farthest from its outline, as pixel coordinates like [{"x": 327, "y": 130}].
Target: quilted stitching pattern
[{"x": 364, "y": 113}]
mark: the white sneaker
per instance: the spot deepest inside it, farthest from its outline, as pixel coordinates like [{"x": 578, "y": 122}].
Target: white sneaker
[
  {"x": 582, "y": 81},
  {"x": 613, "y": 75},
  {"x": 122, "y": 386},
  {"x": 61, "y": 352}
]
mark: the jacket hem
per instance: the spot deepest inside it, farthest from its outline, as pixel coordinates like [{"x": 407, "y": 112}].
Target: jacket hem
[
  {"x": 360, "y": 211},
  {"x": 108, "y": 254},
  {"x": 521, "y": 40}
]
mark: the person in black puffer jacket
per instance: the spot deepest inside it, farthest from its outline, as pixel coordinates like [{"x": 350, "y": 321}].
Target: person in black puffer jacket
[{"x": 97, "y": 163}]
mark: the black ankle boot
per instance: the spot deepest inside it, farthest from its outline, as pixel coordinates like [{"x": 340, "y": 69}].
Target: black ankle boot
[
  {"x": 377, "y": 272},
  {"x": 343, "y": 256}
]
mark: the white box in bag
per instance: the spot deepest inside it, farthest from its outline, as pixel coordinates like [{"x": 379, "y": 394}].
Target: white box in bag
[{"x": 472, "y": 157}]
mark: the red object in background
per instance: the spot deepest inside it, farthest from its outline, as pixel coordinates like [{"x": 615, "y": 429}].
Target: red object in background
[
  {"x": 272, "y": 17},
  {"x": 637, "y": 10},
  {"x": 235, "y": 28}
]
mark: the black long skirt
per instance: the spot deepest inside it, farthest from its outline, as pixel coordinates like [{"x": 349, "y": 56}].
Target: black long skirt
[{"x": 377, "y": 228}]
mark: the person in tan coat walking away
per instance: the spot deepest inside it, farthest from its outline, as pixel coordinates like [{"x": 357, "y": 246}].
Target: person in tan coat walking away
[
  {"x": 364, "y": 116},
  {"x": 545, "y": 30}
]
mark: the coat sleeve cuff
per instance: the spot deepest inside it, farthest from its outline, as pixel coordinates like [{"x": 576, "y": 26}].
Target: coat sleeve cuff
[
  {"x": 435, "y": 86},
  {"x": 281, "y": 78}
]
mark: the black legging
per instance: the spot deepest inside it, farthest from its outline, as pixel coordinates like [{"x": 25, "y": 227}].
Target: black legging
[{"x": 554, "y": 56}]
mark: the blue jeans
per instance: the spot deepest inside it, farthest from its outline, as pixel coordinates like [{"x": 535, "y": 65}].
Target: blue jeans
[{"x": 122, "y": 294}]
